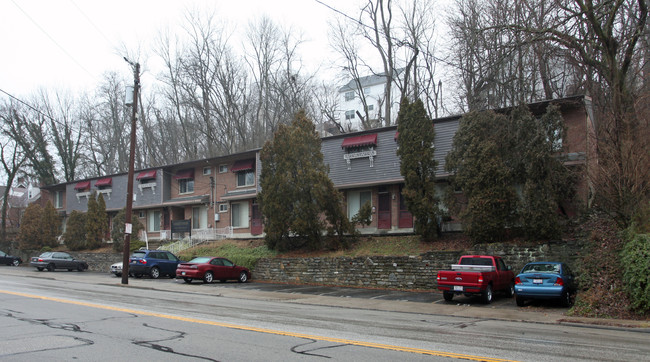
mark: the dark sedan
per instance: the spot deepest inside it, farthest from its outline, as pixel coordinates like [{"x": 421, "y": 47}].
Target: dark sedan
[
  {"x": 53, "y": 260},
  {"x": 208, "y": 269},
  {"x": 6, "y": 259},
  {"x": 545, "y": 280}
]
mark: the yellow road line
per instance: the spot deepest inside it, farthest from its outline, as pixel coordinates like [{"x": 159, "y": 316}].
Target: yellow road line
[{"x": 264, "y": 330}]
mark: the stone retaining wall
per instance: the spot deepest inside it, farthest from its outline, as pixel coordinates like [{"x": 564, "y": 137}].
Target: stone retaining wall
[{"x": 408, "y": 272}]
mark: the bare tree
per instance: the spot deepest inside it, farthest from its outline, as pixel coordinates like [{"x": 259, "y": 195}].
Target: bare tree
[
  {"x": 106, "y": 118},
  {"x": 12, "y": 158},
  {"x": 279, "y": 87},
  {"x": 343, "y": 40},
  {"x": 66, "y": 130}
]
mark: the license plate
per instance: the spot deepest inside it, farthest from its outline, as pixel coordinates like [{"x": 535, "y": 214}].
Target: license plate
[
  {"x": 458, "y": 288},
  {"x": 537, "y": 281},
  {"x": 182, "y": 273}
]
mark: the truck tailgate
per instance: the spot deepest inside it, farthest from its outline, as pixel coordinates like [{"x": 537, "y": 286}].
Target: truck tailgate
[{"x": 459, "y": 278}]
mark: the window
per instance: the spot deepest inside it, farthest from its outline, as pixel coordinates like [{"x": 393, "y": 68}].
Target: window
[
  {"x": 153, "y": 220},
  {"x": 245, "y": 178},
  {"x": 349, "y": 114},
  {"x": 223, "y": 168},
  {"x": 366, "y": 91},
  {"x": 186, "y": 185},
  {"x": 356, "y": 199},
  {"x": 58, "y": 199},
  {"x": 199, "y": 217},
  {"x": 239, "y": 214},
  {"x": 349, "y": 95},
  {"x": 142, "y": 214},
  {"x": 223, "y": 207},
  {"x": 207, "y": 171},
  {"x": 371, "y": 107}
]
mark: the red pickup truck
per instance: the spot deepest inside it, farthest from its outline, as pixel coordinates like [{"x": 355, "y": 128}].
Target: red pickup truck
[{"x": 477, "y": 274}]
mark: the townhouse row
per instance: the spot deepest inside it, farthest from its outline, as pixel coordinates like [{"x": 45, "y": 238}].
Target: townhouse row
[{"x": 219, "y": 195}]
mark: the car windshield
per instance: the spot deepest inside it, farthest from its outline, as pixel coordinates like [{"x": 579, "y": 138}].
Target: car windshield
[
  {"x": 542, "y": 268},
  {"x": 138, "y": 254},
  {"x": 200, "y": 259}
]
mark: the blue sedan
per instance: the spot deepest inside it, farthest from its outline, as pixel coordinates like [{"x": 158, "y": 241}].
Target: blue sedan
[{"x": 545, "y": 280}]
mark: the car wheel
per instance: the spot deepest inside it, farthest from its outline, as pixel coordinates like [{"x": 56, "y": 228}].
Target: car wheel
[
  {"x": 171, "y": 276},
  {"x": 566, "y": 299},
  {"x": 50, "y": 267},
  {"x": 208, "y": 277},
  {"x": 118, "y": 274},
  {"x": 39, "y": 269},
  {"x": 187, "y": 280},
  {"x": 154, "y": 273},
  {"x": 487, "y": 295},
  {"x": 138, "y": 275},
  {"x": 520, "y": 301},
  {"x": 243, "y": 277},
  {"x": 447, "y": 295},
  {"x": 511, "y": 290},
  {"x": 15, "y": 263},
  {"x": 80, "y": 268}
]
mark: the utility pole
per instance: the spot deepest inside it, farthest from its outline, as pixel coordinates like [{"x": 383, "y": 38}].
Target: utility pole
[{"x": 129, "y": 188}]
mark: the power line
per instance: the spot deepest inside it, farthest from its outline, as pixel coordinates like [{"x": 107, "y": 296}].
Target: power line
[
  {"x": 33, "y": 108},
  {"x": 92, "y": 23},
  {"x": 53, "y": 40}
]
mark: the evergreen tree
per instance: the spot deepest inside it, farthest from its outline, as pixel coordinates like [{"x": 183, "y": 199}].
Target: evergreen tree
[
  {"x": 547, "y": 183},
  {"x": 51, "y": 226},
  {"x": 75, "y": 232},
  {"x": 117, "y": 231},
  {"x": 493, "y": 155},
  {"x": 479, "y": 162},
  {"x": 296, "y": 189},
  {"x": 102, "y": 215},
  {"x": 94, "y": 224},
  {"x": 31, "y": 232},
  {"x": 418, "y": 167}
]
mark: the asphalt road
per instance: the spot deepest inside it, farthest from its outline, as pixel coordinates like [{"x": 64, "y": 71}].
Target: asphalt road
[{"x": 91, "y": 316}]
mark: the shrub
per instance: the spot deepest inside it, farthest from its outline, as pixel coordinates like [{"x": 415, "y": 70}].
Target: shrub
[
  {"x": 636, "y": 264},
  {"x": 75, "y": 232},
  {"x": 30, "y": 234}
]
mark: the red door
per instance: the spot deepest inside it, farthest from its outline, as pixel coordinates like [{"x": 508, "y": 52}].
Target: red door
[
  {"x": 383, "y": 214},
  {"x": 405, "y": 217},
  {"x": 256, "y": 220}
]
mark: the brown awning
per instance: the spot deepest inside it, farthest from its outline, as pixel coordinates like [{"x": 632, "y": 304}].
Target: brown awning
[
  {"x": 108, "y": 181},
  {"x": 183, "y": 174},
  {"x": 243, "y": 165},
  {"x": 83, "y": 185},
  {"x": 146, "y": 175},
  {"x": 358, "y": 141}
]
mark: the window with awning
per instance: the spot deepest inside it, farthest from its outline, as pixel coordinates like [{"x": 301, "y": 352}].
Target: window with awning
[
  {"x": 360, "y": 141},
  {"x": 104, "y": 182},
  {"x": 243, "y": 165},
  {"x": 83, "y": 185},
  {"x": 146, "y": 175},
  {"x": 184, "y": 174}
]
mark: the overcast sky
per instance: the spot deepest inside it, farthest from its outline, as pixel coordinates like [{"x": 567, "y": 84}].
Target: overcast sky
[{"x": 69, "y": 44}]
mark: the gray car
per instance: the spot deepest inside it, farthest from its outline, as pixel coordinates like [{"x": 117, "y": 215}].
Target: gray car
[{"x": 53, "y": 260}]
